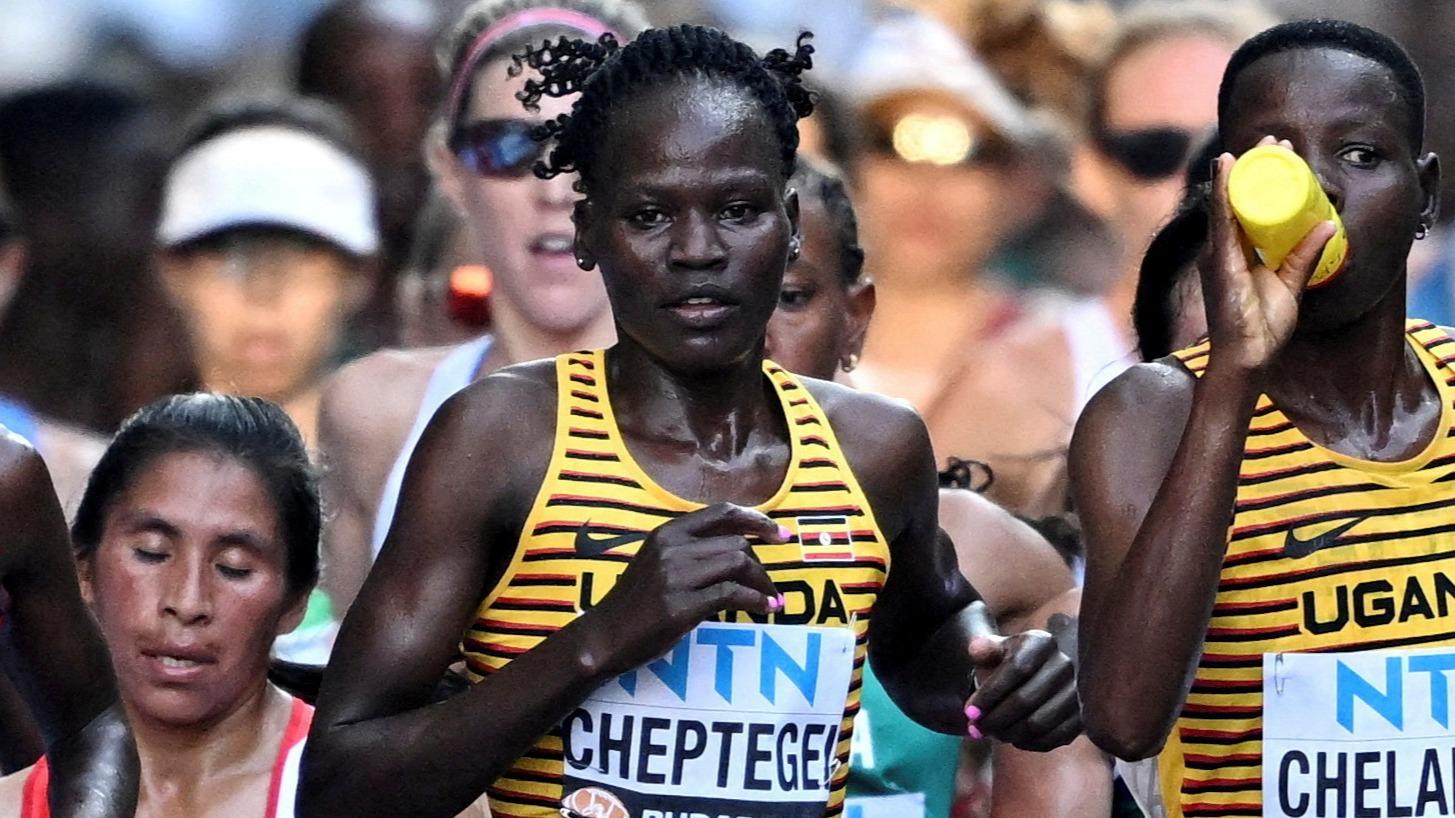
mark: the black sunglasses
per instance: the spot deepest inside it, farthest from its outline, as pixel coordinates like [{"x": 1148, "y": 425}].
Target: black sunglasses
[
  {"x": 1150, "y": 154},
  {"x": 501, "y": 148}
]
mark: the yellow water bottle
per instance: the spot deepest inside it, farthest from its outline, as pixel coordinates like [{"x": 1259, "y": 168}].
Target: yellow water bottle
[{"x": 1278, "y": 200}]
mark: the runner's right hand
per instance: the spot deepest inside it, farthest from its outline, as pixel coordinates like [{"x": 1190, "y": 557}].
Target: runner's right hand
[
  {"x": 1251, "y": 310},
  {"x": 686, "y": 571}
]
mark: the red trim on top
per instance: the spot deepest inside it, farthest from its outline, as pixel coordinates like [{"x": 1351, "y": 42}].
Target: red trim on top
[
  {"x": 297, "y": 730},
  {"x": 35, "y": 803}
]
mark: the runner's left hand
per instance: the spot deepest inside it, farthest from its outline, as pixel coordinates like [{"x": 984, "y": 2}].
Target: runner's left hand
[{"x": 1026, "y": 695}]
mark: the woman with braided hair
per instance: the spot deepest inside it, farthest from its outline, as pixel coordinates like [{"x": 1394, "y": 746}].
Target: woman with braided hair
[{"x": 669, "y": 559}]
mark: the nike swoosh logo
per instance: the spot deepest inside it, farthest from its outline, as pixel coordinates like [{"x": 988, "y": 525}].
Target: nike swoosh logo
[
  {"x": 1297, "y": 548},
  {"x": 589, "y": 545}
]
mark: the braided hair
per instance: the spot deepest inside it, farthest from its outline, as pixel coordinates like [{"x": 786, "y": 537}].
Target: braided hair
[{"x": 605, "y": 72}]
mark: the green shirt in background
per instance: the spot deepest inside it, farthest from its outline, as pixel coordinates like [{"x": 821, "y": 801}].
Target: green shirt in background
[{"x": 898, "y": 769}]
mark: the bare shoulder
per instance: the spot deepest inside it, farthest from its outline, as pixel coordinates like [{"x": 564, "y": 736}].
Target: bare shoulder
[
  {"x": 867, "y": 424},
  {"x": 23, "y": 474},
  {"x": 511, "y": 410},
  {"x": 1147, "y": 401},
  {"x": 381, "y": 391}
]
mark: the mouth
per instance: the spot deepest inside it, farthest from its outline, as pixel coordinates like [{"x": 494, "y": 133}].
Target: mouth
[
  {"x": 177, "y": 664},
  {"x": 703, "y": 308},
  {"x": 553, "y": 244}
]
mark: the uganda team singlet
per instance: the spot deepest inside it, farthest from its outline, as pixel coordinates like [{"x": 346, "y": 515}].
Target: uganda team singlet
[
  {"x": 1324, "y": 657},
  {"x": 749, "y": 715}
]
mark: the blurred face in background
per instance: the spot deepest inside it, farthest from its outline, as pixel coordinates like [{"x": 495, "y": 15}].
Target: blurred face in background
[
  {"x": 522, "y": 224},
  {"x": 266, "y": 308},
  {"x": 1160, "y": 99},
  {"x": 936, "y": 192}
]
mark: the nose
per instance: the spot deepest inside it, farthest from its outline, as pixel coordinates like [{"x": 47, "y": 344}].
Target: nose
[
  {"x": 696, "y": 244},
  {"x": 186, "y": 593}
]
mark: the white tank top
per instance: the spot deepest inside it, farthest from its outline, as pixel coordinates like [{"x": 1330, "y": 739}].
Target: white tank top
[{"x": 455, "y": 372}]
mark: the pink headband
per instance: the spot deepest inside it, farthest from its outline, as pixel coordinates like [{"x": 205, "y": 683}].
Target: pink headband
[{"x": 509, "y": 24}]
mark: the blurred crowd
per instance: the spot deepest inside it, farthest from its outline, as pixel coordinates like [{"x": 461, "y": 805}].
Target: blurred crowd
[{"x": 257, "y": 198}]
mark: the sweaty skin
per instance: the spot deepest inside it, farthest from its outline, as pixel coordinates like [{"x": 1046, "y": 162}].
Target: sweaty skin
[
  {"x": 695, "y": 197},
  {"x": 1155, "y": 459},
  {"x": 53, "y": 653}
]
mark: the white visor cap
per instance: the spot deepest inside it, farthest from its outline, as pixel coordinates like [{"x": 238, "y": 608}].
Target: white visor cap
[{"x": 273, "y": 176}]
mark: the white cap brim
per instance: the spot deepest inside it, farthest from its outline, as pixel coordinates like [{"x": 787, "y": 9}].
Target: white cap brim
[{"x": 274, "y": 176}]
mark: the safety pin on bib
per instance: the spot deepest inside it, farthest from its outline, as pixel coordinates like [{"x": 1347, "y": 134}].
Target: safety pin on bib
[{"x": 1278, "y": 679}]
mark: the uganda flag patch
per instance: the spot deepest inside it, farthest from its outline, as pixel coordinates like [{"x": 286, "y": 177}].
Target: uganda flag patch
[{"x": 825, "y": 539}]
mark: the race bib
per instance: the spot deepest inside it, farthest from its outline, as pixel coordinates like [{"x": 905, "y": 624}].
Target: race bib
[
  {"x": 737, "y": 721},
  {"x": 910, "y": 805},
  {"x": 1364, "y": 734}
]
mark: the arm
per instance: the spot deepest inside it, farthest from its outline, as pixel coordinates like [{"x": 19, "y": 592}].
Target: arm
[
  {"x": 54, "y": 654},
  {"x": 1007, "y": 561},
  {"x": 1070, "y": 782},
  {"x": 377, "y": 740},
  {"x": 349, "y": 521},
  {"x": 923, "y": 636},
  {"x": 1155, "y": 545}
]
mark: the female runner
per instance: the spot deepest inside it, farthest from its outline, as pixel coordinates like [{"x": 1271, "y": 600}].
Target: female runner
[{"x": 669, "y": 558}]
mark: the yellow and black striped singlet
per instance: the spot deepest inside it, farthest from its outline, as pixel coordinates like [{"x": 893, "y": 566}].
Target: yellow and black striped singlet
[
  {"x": 594, "y": 486},
  {"x": 1325, "y": 553}
]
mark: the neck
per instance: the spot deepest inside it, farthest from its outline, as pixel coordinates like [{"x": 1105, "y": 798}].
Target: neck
[
  {"x": 716, "y": 413},
  {"x": 177, "y": 761},
  {"x": 517, "y": 340},
  {"x": 1365, "y": 370}
]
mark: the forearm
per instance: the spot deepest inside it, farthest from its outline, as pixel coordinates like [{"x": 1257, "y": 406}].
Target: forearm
[
  {"x": 1143, "y": 631},
  {"x": 440, "y": 757},
  {"x": 94, "y": 773},
  {"x": 931, "y": 683}
]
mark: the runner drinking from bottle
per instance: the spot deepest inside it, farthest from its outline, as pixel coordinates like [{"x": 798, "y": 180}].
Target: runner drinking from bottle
[
  {"x": 666, "y": 557},
  {"x": 1282, "y": 490}
]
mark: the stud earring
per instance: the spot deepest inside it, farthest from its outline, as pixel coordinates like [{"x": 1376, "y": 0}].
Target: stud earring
[
  {"x": 794, "y": 250},
  {"x": 849, "y": 362}
]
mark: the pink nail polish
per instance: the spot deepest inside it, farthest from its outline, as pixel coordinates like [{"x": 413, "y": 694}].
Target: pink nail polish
[
  {"x": 782, "y": 602},
  {"x": 784, "y": 533},
  {"x": 972, "y": 713},
  {"x": 974, "y": 732},
  {"x": 775, "y": 602}
]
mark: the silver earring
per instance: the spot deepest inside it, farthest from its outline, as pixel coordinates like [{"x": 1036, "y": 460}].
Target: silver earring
[
  {"x": 1422, "y": 231},
  {"x": 794, "y": 250},
  {"x": 849, "y": 362}
]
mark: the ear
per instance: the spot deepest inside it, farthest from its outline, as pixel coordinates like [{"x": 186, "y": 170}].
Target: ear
[
  {"x": 444, "y": 167},
  {"x": 171, "y": 265},
  {"x": 790, "y": 204},
  {"x": 862, "y": 298},
  {"x": 12, "y": 266},
  {"x": 359, "y": 285},
  {"x": 85, "y": 572},
  {"x": 295, "y": 612},
  {"x": 1429, "y": 170},
  {"x": 585, "y": 219}
]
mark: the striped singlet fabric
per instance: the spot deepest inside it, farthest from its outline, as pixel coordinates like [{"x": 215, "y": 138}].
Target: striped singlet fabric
[
  {"x": 1382, "y": 579},
  {"x": 594, "y": 487}
]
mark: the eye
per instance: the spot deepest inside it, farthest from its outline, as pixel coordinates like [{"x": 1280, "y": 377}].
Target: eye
[
  {"x": 1360, "y": 156},
  {"x": 646, "y": 218},
  {"x": 739, "y": 212},
  {"x": 795, "y": 298},
  {"x": 148, "y": 556},
  {"x": 231, "y": 572}
]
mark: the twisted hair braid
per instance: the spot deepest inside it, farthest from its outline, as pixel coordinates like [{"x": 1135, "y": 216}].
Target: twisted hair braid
[{"x": 605, "y": 72}]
